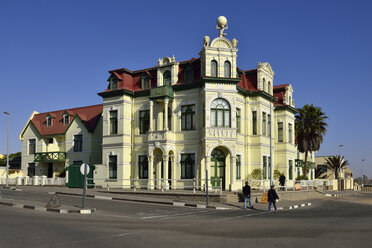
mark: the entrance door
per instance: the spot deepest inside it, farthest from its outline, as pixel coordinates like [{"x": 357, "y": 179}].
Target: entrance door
[
  {"x": 50, "y": 170},
  {"x": 218, "y": 169}
]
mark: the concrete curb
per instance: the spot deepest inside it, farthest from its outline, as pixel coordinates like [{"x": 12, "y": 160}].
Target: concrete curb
[
  {"x": 55, "y": 210},
  {"x": 298, "y": 206},
  {"x": 337, "y": 195},
  {"x": 175, "y": 203}
]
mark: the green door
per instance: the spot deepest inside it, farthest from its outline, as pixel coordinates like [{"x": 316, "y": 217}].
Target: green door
[{"x": 217, "y": 169}]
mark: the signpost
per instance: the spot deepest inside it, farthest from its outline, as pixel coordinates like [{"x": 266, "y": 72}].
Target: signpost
[{"x": 84, "y": 169}]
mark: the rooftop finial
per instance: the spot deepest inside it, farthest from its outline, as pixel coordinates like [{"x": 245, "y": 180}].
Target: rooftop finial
[{"x": 222, "y": 25}]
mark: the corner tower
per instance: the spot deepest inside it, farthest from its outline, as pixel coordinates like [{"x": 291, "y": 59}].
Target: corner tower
[{"x": 218, "y": 58}]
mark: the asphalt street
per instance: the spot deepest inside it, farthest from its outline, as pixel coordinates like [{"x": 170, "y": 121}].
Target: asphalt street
[{"x": 334, "y": 222}]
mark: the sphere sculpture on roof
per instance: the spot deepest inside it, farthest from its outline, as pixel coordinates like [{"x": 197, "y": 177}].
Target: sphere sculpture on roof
[{"x": 222, "y": 25}]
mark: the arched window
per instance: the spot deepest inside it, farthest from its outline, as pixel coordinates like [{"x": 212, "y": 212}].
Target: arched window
[
  {"x": 264, "y": 84},
  {"x": 214, "y": 71},
  {"x": 188, "y": 75},
  {"x": 145, "y": 82},
  {"x": 227, "y": 69},
  {"x": 220, "y": 113},
  {"x": 167, "y": 78}
]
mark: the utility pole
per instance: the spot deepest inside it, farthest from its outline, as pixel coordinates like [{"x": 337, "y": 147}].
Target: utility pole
[{"x": 7, "y": 152}]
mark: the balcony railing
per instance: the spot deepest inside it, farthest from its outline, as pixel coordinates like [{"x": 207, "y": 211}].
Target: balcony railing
[
  {"x": 160, "y": 135},
  {"x": 50, "y": 157},
  {"x": 220, "y": 132},
  {"x": 161, "y": 92}
]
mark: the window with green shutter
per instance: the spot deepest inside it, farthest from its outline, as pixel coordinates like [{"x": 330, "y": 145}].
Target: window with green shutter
[
  {"x": 290, "y": 133},
  {"x": 113, "y": 167},
  {"x": 290, "y": 169},
  {"x": 220, "y": 113},
  {"x": 188, "y": 117},
  {"x": 280, "y": 131},
  {"x": 113, "y": 122},
  {"x": 238, "y": 166},
  {"x": 167, "y": 78},
  {"x": 144, "y": 121},
  {"x": 238, "y": 120},
  {"x": 143, "y": 166},
  {"x": 187, "y": 166},
  {"x": 254, "y": 122},
  {"x": 263, "y": 123}
]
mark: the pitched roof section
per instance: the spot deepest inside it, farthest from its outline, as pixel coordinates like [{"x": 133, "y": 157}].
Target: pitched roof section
[{"x": 89, "y": 116}]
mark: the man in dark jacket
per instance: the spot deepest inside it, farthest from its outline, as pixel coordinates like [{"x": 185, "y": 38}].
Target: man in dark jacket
[
  {"x": 282, "y": 181},
  {"x": 272, "y": 196},
  {"x": 247, "y": 195}
]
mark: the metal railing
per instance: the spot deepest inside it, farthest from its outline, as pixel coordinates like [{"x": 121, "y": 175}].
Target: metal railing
[
  {"x": 159, "y": 184},
  {"x": 291, "y": 185}
]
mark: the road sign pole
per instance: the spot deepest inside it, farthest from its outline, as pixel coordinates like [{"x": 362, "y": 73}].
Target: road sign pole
[{"x": 85, "y": 184}]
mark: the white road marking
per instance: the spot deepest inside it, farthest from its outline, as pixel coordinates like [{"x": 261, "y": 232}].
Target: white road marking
[
  {"x": 171, "y": 215},
  {"x": 241, "y": 216}
]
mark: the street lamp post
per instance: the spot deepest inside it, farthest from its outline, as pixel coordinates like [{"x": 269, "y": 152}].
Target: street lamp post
[
  {"x": 339, "y": 166},
  {"x": 361, "y": 172},
  {"x": 7, "y": 152}
]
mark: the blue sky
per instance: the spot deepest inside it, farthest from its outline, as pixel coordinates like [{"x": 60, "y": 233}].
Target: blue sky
[{"x": 56, "y": 54}]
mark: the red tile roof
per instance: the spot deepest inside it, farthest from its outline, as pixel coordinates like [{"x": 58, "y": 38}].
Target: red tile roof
[
  {"x": 89, "y": 115},
  {"x": 279, "y": 92}
]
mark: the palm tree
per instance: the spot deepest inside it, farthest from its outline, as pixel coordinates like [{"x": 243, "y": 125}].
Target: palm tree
[
  {"x": 310, "y": 129},
  {"x": 335, "y": 163}
]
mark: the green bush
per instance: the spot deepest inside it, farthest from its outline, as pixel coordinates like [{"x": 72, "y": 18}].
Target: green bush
[
  {"x": 62, "y": 173},
  {"x": 277, "y": 174},
  {"x": 302, "y": 177},
  {"x": 257, "y": 174}
]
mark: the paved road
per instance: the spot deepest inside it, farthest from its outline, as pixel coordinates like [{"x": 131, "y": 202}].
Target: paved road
[{"x": 336, "y": 222}]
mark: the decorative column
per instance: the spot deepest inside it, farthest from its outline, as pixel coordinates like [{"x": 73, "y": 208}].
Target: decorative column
[
  {"x": 150, "y": 184},
  {"x": 166, "y": 114},
  {"x": 165, "y": 171},
  {"x": 151, "y": 116},
  {"x": 232, "y": 171}
]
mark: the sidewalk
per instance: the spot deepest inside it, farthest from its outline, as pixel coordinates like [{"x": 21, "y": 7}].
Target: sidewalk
[{"x": 170, "y": 197}]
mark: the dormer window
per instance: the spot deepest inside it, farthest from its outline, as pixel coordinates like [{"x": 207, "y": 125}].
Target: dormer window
[
  {"x": 145, "y": 82},
  {"x": 66, "y": 119},
  {"x": 188, "y": 75},
  {"x": 49, "y": 121},
  {"x": 227, "y": 69},
  {"x": 113, "y": 83},
  {"x": 167, "y": 78}
]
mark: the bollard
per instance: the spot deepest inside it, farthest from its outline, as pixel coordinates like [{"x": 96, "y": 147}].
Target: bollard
[
  {"x": 19, "y": 180},
  {"x": 193, "y": 185},
  {"x": 25, "y": 180},
  {"x": 43, "y": 180},
  {"x": 35, "y": 180}
]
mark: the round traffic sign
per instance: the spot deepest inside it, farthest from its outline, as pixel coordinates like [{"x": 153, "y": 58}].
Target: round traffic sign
[{"x": 82, "y": 168}]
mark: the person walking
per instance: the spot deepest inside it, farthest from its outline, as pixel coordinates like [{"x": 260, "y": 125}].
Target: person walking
[
  {"x": 247, "y": 195},
  {"x": 272, "y": 196},
  {"x": 282, "y": 181}
]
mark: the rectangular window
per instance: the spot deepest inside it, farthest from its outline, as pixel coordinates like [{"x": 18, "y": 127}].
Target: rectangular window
[
  {"x": 238, "y": 120},
  {"x": 78, "y": 143},
  {"x": 264, "y": 167},
  {"x": 238, "y": 166},
  {"x": 254, "y": 122},
  {"x": 290, "y": 169},
  {"x": 187, "y": 166},
  {"x": 143, "y": 167},
  {"x": 113, "y": 122},
  {"x": 290, "y": 133},
  {"x": 269, "y": 125},
  {"x": 113, "y": 167},
  {"x": 188, "y": 117},
  {"x": 31, "y": 146},
  {"x": 263, "y": 123},
  {"x": 280, "y": 131},
  {"x": 144, "y": 121},
  {"x": 298, "y": 172},
  {"x": 31, "y": 169}
]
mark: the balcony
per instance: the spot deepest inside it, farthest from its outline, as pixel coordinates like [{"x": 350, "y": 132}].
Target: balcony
[
  {"x": 160, "y": 135},
  {"x": 50, "y": 157},
  {"x": 161, "y": 92}
]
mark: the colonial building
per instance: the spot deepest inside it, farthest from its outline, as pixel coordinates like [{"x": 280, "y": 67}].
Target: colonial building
[
  {"x": 183, "y": 119},
  {"x": 176, "y": 121},
  {"x": 54, "y": 140}
]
